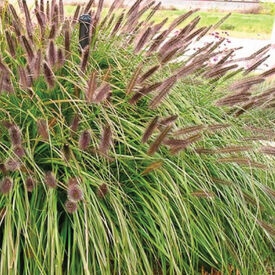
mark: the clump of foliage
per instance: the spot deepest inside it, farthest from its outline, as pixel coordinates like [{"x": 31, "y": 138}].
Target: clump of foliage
[{"x": 129, "y": 156}]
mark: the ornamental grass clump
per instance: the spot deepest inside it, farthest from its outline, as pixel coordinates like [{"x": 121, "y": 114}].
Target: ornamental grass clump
[{"x": 135, "y": 154}]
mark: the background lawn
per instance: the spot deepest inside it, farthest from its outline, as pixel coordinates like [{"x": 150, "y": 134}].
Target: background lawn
[{"x": 258, "y": 26}]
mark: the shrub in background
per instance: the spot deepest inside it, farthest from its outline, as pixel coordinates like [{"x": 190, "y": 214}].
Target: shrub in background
[{"x": 130, "y": 156}]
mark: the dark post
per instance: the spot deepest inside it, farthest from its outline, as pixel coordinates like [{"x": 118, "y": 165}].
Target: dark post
[{"x": 84, "y": 30}]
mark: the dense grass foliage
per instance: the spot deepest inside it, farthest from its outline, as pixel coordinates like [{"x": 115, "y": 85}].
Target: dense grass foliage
[{"x": 129, "y": 156}]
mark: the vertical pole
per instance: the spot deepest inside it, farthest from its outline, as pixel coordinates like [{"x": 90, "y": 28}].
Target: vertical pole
[{"x": 84, "y": 30}]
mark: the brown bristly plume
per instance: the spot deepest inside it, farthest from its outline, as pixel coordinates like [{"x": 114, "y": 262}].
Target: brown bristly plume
[
  {"x": 15, "y": 15},
  {"x": 37, "y": 64},
  {"x": 115, "y": 5},
  {"x": 232, "y": 100},
  {"x": 187, "y": 130},
  {"x": 102, "y": 92},
  {"x": 134, "y": 79},
  {"x": 156, "y": 144},
  {"x": 258, "y": 138},
  {"x": 85, "y": 58},
  {"x": 249, "y": 199},
  {"x": 205, "y": 151},
  {"x": 233, "y": 149},
  {"x": 23, "y": 78},
  {"x": 220, "y": 72},
  {"x": 98, "y": 11},
  {"x": 76, "y": 15},
  {"x": 180, "y": 20},
  {"x": 242, "y": 161},
  {"x": 194, "y": 34},
  {"x": 17, "y": 29},
  {"x": 67, "y": 41},
  {"x": 106, "y": 140},
  {"x": 10, "y": 43},
  {"x": 268, "y": 150},
  {"x": 215, "y": 46},
  {"x": 29, "y": 26},
  {"x": 267, "y": 227},
  {"x": 41, "y": 7},
  {"x": 255, "y": 65},
  {"x": 260, "y": 51},
  {"x": 92, "y": 84},
  {"x": 52, "y": 32},
  {"x": 184, "y": 143},
  {"x": 170, "y": 55},
  {"x": 222, "y": 61},
  {"x": 61, "y": 11},
  {"x": 153, "y": 11},
  {"x": 248, "y": 82},
  {"x": 42, "y": 129},
  {"x": 84, "y": 140},
  {"x": 157, "y": 42},
  {"x": 216, "y": 127},
  {"x": 134, "y": 7},
  {"x": 203, "y": 194},
  {"x": 143, "y": 92},
  {"x": 150, "y": 129},
  {"x": 75, "y": 123},
  {"x": 164, "y": 90},
  {"x": 40, "y": 22},
  {"x": 260, "y": 130},
  {"x": 221, "y": 181},
  {"x": 152, "y": 167},
  {"x": 203, "y": 33},
  {"x": 157, "y": 27},
  {"x": 88, "y": 6},
  {"x": 168, "y": 120},
  {"x": 55, "y": 17},
  {"x": 60, "y": 58},
  {"x": 28, "y": 48},
  {"x": 51, "y": 54},
  {"x": 221, "y": 21},
  {"x": 148, "y": 74},
  {"x": 49, "y": 75},
  {"x": 118, "y": 24},
  {"x": 143, "y": 40},
  {"x": 48, "y": 10},
  {"x": 145, "y": 8},
  {"x": 268, "y": 73}
]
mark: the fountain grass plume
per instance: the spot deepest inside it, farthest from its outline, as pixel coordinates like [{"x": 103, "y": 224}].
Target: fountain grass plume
[{"x": 134, "y": 155}]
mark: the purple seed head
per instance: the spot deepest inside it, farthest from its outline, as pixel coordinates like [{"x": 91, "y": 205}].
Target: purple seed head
[
  {"x": 19, "y": 151},
  {"x": 12, "y": 164},
  {"x": 42, "y": 129},
  {"x": 75, "y": 193},
  {"x": 15, "y": 135},
  {"x": 50, "y": 179},
  {"x": 70, "y": 206},
  {"x": 6, "y": 185},
  {"x": 30, "y": 184},
  {"x": 84, "y": 140}
]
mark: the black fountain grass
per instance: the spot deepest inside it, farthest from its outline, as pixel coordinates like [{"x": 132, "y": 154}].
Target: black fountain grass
[{"x": 124, "y": 151}]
